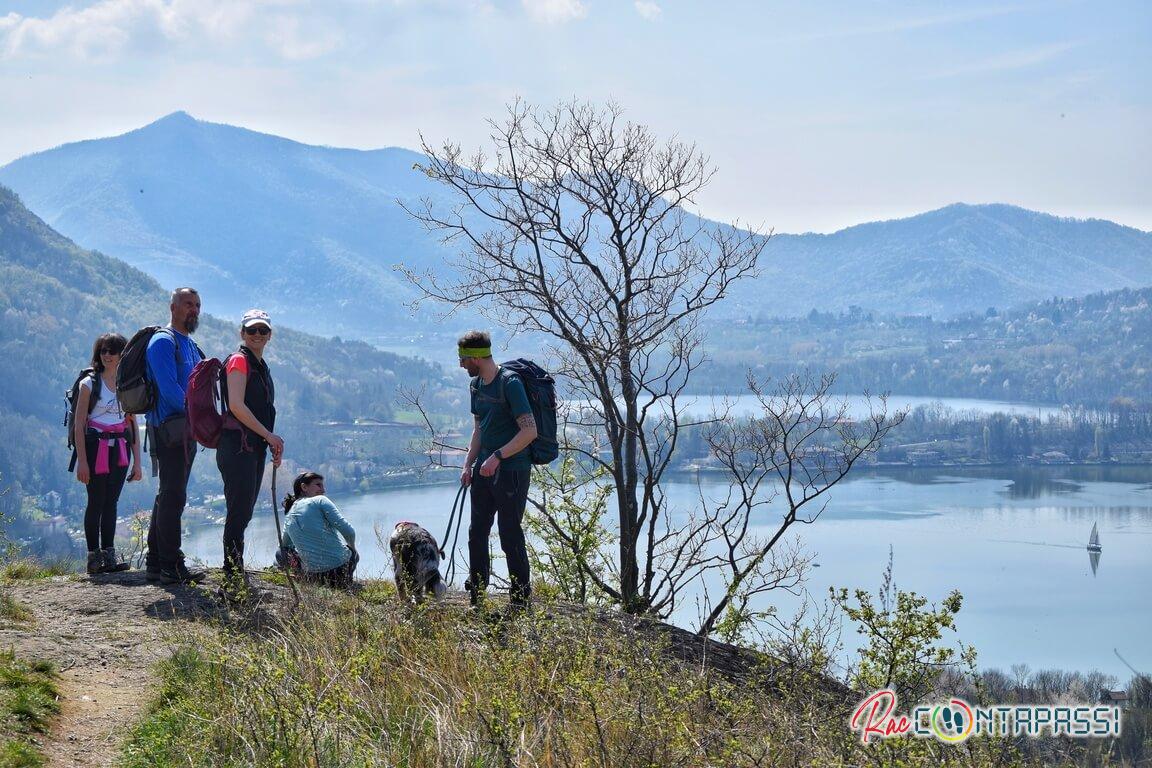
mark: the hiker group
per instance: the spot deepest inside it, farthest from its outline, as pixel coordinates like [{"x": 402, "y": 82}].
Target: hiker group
[{"x": 191, "y": 400}]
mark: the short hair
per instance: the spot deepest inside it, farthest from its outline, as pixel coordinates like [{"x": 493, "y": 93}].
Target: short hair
[
  {"x": 113, "y": 341},
  {"x": 176, "y": 293},
  {"x": 474, "y": 339}
]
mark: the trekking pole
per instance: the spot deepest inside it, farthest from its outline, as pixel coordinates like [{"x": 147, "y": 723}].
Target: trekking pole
[{"x": 280, "y": 541}]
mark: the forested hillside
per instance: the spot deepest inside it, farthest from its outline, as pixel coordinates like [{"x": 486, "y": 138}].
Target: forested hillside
[
  {"x": 56, "y": 297},
  {"x": 1085, "y": 351}
]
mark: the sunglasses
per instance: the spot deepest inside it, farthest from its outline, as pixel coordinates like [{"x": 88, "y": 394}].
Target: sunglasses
[
  {"x": 258, "y": 330},
  {"x": 110, "y": 351}
]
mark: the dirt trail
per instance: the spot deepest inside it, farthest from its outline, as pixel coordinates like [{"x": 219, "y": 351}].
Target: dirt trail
[{"x": 104, "y": 635}]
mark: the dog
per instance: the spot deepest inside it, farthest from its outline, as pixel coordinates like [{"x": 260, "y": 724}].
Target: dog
[{"x": 415, "y": 562}]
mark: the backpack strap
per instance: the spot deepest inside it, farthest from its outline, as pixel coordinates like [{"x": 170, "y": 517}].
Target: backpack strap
[
  {"x": 93, "y": 398},
  {"x": 97, "y": 389}
]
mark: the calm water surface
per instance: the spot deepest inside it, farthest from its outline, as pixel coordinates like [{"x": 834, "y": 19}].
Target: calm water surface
[{"x": 1011, "y": 540}]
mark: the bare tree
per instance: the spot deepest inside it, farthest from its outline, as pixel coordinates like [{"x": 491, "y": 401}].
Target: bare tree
[
  {"x": 575, "y": 228},
  {"x": 788, "y": 457}
]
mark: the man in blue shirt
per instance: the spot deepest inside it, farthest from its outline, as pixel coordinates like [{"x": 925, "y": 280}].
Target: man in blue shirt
[
  {"x": 171, "y": 357},
  {"x": 503, "y": 428}
]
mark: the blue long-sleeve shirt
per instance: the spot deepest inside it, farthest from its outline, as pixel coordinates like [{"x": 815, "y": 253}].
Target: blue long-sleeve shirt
[
  {"x": 311, "y": 526},
  {"x": 171, "y": 379}
]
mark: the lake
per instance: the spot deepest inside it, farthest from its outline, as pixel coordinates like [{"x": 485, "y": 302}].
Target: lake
[
  {"x": 1011, "y": 539},
  {"x": 745, "y": 405}
]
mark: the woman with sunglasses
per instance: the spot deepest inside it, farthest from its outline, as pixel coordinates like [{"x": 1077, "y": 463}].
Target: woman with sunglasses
[
  {"x": 249, "y": 397},
  {"x": 104, "y": 436}
]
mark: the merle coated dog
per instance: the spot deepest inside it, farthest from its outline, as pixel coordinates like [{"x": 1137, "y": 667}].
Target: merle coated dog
[{"x": 416, "y": 562}]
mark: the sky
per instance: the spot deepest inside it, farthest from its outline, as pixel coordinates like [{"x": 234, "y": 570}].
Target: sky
[{"x": 816, "y": 115}]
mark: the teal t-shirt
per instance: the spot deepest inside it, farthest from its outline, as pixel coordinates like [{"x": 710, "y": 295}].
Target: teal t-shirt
[{"x": 497, "y": 416}]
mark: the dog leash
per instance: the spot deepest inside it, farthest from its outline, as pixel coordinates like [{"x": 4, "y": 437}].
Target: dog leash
[{"x": 453, "y": 519}]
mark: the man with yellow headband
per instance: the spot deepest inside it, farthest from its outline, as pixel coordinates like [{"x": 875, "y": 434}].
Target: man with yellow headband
[{"x": 497, "y": 467}]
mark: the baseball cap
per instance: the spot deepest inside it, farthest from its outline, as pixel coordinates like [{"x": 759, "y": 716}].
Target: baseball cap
[{"x": 255, "y": 317}]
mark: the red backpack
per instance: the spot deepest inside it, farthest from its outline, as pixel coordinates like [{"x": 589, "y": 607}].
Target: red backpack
[{"x": 203, "y": 401}]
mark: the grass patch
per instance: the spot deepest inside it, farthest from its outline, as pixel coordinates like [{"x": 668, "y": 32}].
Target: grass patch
[
  {"x": 366, "y": 681},
  {"x": 28, "y": 700},
  {"x": 25, "y": 568},
  {"x": 12, "y": 610}
]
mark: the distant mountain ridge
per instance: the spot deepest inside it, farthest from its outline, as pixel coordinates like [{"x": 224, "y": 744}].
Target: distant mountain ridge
[
  {"x": 957, "y": 259},
  {"x": 313, "y": 233}
]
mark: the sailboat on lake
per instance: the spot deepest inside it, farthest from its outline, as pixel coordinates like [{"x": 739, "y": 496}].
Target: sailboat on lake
[{"x": 1094, "y": 549}]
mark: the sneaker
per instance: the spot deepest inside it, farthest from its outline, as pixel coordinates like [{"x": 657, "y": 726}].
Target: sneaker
[
  {"x": 181, "y": 574},
  {"x": 95, "y": 562},
  {"x": 112, "y": 563}
]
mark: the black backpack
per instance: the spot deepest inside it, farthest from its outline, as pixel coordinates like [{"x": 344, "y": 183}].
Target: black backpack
[
  {"x": 135, "y": 391},
  {"x": 70, "y": 399},
  {"x": 541, "y": 390}
]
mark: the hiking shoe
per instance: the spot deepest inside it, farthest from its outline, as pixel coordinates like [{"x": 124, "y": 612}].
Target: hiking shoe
[
  {"x": 112, "y": 563},
  {"x": 95, "y": 562},
  {"x": 181, "y": 574},
  {"x": 152, "y": 573}
]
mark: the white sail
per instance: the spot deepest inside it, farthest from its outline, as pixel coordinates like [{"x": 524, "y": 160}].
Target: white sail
[{"x": 1094, "y": 539}]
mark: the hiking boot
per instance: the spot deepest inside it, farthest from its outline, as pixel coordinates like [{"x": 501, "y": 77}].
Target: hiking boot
[
  {"x": 181, "y": 574},
  {"x": 95, "y": 562},
  {"x": 152, "y": 573},
  {"x": 112, "y": 563}
]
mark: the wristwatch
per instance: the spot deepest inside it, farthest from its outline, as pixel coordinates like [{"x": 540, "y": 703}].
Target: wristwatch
[{"x": 498, "y": 455}]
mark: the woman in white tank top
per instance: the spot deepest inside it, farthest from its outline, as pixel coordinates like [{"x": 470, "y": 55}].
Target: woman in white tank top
[{"x": 104, "y": 438}]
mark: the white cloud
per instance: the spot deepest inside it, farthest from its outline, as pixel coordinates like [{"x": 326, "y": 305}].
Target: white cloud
[
  {"x": 555, "y": 11},
  {"x": 649, "y": 10},
  {"x": 109, "y": 27}
]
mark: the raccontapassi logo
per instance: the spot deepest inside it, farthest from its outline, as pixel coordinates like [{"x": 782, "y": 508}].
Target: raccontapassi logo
[{"x": 955, "y": 720}]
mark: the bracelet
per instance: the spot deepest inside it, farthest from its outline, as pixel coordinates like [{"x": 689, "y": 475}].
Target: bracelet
[{"x": 498, "y": 454}]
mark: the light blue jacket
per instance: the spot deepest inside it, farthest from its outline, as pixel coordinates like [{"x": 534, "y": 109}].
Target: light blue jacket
[{"x": 314, "y": 527}]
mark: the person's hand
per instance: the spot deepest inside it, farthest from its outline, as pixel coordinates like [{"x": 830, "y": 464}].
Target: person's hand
[
  {"x": 466, "y": 476},
  {"x": 276, "y": 443},
  {"x": 136, "y": 473},
  {"x": 82, "y": 472},
  {"x": 489, "y": 467}
]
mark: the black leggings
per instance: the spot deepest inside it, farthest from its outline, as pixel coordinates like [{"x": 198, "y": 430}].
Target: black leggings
[
  {"x": 103, "y": 496},
  {"x": 242, "y": 472}
]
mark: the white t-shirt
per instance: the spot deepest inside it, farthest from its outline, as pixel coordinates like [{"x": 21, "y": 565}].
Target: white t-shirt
[{"x": 107, "y": 411}]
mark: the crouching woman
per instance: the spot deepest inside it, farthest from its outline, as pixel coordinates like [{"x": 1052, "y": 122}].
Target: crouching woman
[{"x": 324, "y": 541}]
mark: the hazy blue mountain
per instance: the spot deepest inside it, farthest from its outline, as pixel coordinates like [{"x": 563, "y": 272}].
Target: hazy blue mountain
[
  {"x": 945, "y": 262},
  {"x": 313, "y": 234}
]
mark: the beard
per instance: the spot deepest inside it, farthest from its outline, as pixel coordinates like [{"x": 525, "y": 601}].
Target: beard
[{"x": 191, "y": 324}]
